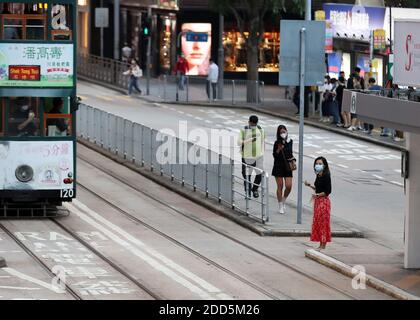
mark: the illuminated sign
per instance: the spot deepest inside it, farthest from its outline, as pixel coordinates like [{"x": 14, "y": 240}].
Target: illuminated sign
[{"x": 25, "y": 73}]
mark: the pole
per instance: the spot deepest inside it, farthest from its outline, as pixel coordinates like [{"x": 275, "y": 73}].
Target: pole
[
  {"x": 149, "y": 49},
  {"x": 116, "y": 29},
  {"x": 301, "y": 122},
  {"x": 102, "y": 35},
  {"x": 371, "y": 48},
  {"x": 308, "y": 10},
  {"x": 221, "y": 57}
]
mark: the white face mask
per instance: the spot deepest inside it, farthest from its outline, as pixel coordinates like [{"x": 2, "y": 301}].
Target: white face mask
[
  {"x": 24, "y": 108},
  {"x": 284, "y": 135}
]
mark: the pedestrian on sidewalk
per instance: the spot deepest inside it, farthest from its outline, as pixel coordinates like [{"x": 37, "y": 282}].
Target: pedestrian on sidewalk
[
  {"x": 325, "y": 102},
  {"x": 181, "y": 69},
  {"x": 135, "y": 73},
  {"x": 212, "y": 78},
  {"x": 321, "y": 228},
  {"x": 126, "y": 53},
  {"x": 282, "y": 171},
  {"x": 374, "y": 88},
  {"x": 333, "y": 106},
  {"x": 252, "y": 143},
  {"x": 355, "y": 82}
]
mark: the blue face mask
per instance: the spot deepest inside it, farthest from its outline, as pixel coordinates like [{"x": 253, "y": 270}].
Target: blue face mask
[{"x": 319, "y": 168}]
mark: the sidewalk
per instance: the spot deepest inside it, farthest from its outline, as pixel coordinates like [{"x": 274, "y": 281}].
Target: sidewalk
[
  {"x": 383, "y": 266},
  {"x": 274, "y": 104}
]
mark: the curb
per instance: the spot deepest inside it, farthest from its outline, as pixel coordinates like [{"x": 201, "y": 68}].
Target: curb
[
  {"x": 3, "y": 262},
  {"x": 346, "y": 270},
  {"x": 199, "y": 198},
  {"x": 284, "y": 116}
]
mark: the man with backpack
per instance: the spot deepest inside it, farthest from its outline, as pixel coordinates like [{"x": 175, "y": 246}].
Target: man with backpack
[{"x": 252, "y": 142}]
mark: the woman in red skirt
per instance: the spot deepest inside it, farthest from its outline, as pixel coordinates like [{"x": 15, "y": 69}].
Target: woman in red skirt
[{"x": 321, "y": 230}]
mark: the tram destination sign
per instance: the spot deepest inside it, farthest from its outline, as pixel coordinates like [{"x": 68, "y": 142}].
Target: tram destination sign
[
  {"x": 36, "y": 65},
  {"x": 24, "y": 73}
]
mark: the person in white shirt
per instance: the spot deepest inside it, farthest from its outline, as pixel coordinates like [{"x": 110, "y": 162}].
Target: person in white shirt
[
  {"x": 126, "y": 53},
  {"x": 135, "y": 73},
  {"x": 212, "y": 78}
]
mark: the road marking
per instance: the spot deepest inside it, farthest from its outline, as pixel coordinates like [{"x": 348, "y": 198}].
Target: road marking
[
  {"x": 18, "y": 288},
  {"x": 342, "y": 166},
  {"x": 208, "y": 121},
  {"x": 379, "y": 177},
  {"x": 190, "y": 115},
  {"x": 139, "y": 253},
  {"x": 11, "y": 251},
  {"x": 106, "y": 98},
  {"x": 397, "y": 183},
  {"x": 41, "y": 283},
  {"x": 181, "y": 112},
  {"x": 198, "y": 118}
]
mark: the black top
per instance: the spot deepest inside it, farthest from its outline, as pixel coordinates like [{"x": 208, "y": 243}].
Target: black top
[
  {"x": 288, "y": 150},
  {"x": 323, "y": 184}
]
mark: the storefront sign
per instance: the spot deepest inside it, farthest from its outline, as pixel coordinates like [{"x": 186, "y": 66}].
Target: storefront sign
[
  {"x": 379, "y": 40},
  {"x": 52, "y": 62},
  {"x": 329, "y": 37},
  {"x": 25, "y": 73},
  {"x": 407, "y": 53},
  {"x": 354, "y": 21}
]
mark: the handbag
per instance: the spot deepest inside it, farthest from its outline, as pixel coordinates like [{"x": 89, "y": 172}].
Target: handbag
[{"x": 290, "y": 163}]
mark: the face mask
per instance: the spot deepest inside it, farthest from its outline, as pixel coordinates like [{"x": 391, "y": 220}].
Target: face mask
[
  {"x": 283, "y": 136},
  {"x": 24, "y": 108},
  {"x": 319, "y": 168}
]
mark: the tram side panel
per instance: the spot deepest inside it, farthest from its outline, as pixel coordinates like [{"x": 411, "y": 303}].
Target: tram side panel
[{"x": 37, "y": 171}]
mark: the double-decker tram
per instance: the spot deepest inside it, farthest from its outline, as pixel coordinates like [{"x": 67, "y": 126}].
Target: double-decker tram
[{"x": 37, "y": 106}]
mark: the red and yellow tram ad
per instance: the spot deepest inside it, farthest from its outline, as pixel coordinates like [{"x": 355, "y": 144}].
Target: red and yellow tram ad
[{"x": 28, "y": 73}]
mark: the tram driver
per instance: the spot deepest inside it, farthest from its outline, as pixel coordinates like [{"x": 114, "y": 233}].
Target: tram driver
[{"x": 23, "y": 121}]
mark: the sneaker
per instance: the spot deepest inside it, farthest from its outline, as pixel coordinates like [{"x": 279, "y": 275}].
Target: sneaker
[
  {"x": 255, "y": 194},
  {"x": 397, "y": 139},
  {"x": 281, "y": 208},
  {"x": 284, "y": 207},
  {"x": 340, "y": 125},
  {"x": 351, "y": 128},
  {"x": 360, "y": 128}
]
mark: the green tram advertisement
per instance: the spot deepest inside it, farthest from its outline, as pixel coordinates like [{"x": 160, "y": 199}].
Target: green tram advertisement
[{"x": 37, "y": 103}]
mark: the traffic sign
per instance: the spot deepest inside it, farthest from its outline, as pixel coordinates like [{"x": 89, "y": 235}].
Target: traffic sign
[
  {"x": 197, "y": 37},
  {"x": 101, "y": 17}
]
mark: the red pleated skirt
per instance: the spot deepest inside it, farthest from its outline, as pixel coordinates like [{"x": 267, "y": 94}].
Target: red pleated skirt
[{"x": 321, "y": 229}]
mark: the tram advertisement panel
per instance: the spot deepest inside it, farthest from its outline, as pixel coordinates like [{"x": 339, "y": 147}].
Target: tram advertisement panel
[
  {"x": 36, "y": 165},
  {"x": 36, "y": 65}
]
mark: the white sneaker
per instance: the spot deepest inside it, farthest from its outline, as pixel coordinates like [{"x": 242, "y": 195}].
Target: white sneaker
[
  {"x": 284, "y": 207},
  {"x": 281, "y": 208},
  {"x": 351, "y": 128}
]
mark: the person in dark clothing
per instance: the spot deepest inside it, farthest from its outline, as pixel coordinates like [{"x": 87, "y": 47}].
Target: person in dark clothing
[
  {"x": 296, "y": 100},
  {"x": 283, "y": 153},
  {"x": 23, "y": 122},
  {"x": 321, "y": 229},
  {"x": 57, "y": 108}
]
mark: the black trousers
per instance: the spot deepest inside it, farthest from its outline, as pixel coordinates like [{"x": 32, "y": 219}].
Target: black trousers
[
  {"x": 213, "y": 86},
  {"x": 249, "y": 186}
]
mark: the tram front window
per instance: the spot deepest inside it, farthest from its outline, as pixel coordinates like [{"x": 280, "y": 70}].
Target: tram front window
[{"x": 23, "y": 120}]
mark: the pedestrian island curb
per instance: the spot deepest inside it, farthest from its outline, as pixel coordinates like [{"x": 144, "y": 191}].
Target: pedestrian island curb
[
  {"x": 2, "y": 262},
  {"x": 347, "y": 270},
  {"x": 212, "y": 205}
]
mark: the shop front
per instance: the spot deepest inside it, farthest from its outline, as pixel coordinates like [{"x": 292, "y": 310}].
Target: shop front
[{"x": 351, "y": 27}]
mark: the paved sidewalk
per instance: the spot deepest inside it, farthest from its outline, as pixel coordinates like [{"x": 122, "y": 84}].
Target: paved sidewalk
[{"x": 383, "y": 266}]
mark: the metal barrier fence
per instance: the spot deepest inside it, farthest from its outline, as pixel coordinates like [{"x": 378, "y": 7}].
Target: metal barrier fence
[
  {"x": 167, "y": 88},
  {"x": 177, "y": 159}
]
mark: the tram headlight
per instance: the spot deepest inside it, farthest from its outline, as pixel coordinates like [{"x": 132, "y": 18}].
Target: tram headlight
[{"x": 24, "y": 173}]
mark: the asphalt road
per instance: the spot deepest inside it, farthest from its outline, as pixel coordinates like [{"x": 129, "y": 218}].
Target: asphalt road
[{"x": 368, "y": 190}]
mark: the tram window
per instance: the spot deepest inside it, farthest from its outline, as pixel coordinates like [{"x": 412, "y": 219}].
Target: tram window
[
  {"x": 24, "y": 21},
  {"x": 23, "y": 117},
  {"x": 57, "y": 121},
  {"x": 61, "y": 21}
]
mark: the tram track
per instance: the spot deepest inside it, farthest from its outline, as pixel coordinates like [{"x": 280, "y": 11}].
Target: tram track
[
  {"x": 190, "y": 217},
  {"x": 35, "y": 257}
]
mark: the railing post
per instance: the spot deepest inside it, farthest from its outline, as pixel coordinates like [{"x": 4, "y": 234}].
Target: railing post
[
  {"x": 165, "y": 80},
  {"x": 151, "y": 150},
  {"x": 233, "y": 91},
  {"x": 257, "y": 98},
  {"x": 263, "y": 92},
  {"x": 116, "y": 135},
  {"x": 133, "y": 158},
  {"x": 207, "y": 180},
  {"x": 124, "y": 150},
  {"x": 267, "y": 198},
  {"x": 232, "y": 168},
  {"x": 219, "y": 179},
  {"x": 109, "y": 131},
  {"x": 187, "y": 89},
  {"x": 142, "y": 146},
  {"x": 182, "y": 164}
]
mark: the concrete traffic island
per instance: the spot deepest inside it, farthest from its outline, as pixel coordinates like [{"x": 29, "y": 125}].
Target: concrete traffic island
[
  {"x": 353, "y": 271},
  {"x": 2, "y": 262}
]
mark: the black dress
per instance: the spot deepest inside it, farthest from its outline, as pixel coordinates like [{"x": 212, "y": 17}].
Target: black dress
[{"x": 281, "y": 166}]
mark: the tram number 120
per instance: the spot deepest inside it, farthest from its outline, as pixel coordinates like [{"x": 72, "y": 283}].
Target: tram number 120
[{"x": 66, "y": 193}]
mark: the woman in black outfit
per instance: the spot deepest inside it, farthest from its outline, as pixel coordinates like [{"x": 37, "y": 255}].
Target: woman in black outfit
[
  {"x": 321, "y": 230},
  {"x": 282, "y": 152}
]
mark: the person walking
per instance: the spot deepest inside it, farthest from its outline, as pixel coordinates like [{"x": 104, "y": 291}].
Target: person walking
[
  {"x": 321, "y": 228},
  {"x": 355, "y": 82},
  {"x": 346, "y": 120},
  {"x": 251, "y": 140},
  {"x": 181, "y": 69},
  {"x": 135, "y": 73},
  {"x": 212, "y": 78},
  {"x": 373, "y": 87},
  {"x": 283, "y": 154}
]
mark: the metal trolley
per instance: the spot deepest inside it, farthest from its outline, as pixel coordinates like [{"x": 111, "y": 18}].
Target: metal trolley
[{"x": 37, "y": 106}]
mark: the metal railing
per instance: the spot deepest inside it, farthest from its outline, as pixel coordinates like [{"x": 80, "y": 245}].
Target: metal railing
[
  {"x": 218, "y": 177},
  {"x": 167, "y": 88}
]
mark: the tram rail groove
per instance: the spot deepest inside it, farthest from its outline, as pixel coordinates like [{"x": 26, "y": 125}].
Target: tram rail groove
[
  {"x": 114, "y": 265},
  {"x": 20, "y": 243},
  {"x": 204, "y": 224}
]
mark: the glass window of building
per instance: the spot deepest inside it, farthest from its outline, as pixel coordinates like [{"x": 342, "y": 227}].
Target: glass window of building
[
  {"x": 165, "y": 44},
  {"x": 234, "y": 45}
]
